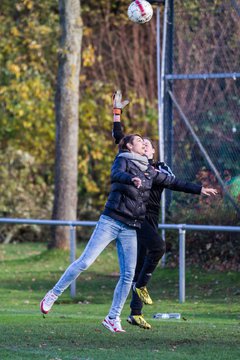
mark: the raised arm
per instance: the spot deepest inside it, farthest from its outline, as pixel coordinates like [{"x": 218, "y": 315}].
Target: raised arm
[
  {"x": 117, "y": 132},
  {"x": 118, "y": 106}
]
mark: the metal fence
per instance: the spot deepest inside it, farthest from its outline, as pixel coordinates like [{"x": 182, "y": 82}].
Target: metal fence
[
  {"x": 181, "y": 228},
  {"x": 201, "y": 84}
]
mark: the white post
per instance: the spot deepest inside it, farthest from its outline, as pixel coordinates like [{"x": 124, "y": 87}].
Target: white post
[
  {"x": 161, "y": 81},
  {"x": 161, "y": 89},
  {"x": 73, "y": 257},
  {"x": 182, "y": 247}
]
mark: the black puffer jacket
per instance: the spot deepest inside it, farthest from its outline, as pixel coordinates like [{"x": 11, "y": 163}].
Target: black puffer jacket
[
  {"x": 153, "y": 207},
  {"x": 125, "y": 202}
]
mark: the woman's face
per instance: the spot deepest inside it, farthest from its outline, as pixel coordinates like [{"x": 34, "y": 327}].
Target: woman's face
[
  {"x": 137, "y": 146},
  {"x": 149, "y": 150}
]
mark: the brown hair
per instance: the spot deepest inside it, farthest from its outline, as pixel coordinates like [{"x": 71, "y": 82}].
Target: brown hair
[
  {"x": 128, "y": 139},
  {"x": 151, "y": 142}
]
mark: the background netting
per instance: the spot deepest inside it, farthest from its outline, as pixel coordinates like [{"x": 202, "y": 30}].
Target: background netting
[{"x": 207, "y": 43}]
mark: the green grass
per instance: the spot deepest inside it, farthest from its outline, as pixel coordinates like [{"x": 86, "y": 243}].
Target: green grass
[{"x": 209, "y": 327}]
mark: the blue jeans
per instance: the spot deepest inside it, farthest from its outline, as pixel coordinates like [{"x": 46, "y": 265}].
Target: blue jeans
[{"x": 107, "y": 230}]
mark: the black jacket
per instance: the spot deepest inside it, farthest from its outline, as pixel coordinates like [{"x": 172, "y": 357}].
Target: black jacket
[
  {"x": 153, "y": 207},
  {"x": 126, "y": 202}
]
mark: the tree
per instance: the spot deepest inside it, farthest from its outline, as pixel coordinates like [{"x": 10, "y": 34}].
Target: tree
[{"x": 66, "y": 102}]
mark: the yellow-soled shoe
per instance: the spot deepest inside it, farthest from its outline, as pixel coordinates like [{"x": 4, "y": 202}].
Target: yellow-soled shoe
[
  {"x": 143, "y": 295},
  {"x": 138, "y": 320}
]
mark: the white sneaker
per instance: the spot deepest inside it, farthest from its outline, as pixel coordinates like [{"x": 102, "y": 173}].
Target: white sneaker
[
  {"x": 47, "y": 302},
  {"x": 114, "y": 325}
]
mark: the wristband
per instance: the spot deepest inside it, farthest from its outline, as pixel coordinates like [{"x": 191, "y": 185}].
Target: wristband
[
  {"x": 117, "y": 111},
  {"x": 116, "y": 118}
]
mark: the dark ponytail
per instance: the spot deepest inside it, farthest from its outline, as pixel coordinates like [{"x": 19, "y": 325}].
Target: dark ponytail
[{"x": 128, "y": 139}]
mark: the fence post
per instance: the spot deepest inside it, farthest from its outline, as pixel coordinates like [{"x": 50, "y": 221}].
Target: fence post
[
  {"x": 182, "y": 246},
  {"x": 73, "y": 257}
]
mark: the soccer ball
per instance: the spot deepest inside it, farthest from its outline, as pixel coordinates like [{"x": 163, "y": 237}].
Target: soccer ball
[{"x": 140, "y": 11}]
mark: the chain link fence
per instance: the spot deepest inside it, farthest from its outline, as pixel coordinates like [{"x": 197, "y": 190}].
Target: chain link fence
[{"x": 206, "y": 86}]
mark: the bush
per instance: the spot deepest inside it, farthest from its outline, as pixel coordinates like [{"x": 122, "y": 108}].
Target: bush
[{"x": 26, "y": 192}]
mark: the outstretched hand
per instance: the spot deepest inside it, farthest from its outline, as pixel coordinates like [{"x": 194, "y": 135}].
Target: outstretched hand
[
  {"x": 137, "y": 182},
  {"x": 117, "y": 101},
  {"x": 208, "y": 191}
]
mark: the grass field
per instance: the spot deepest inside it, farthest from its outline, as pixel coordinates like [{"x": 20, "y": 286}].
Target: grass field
[{"x": 209, "y": 327}]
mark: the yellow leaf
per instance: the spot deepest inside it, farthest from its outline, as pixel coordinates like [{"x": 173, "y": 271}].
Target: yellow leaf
[
  {"x": 82, "y": 77},
  {"x": 20, "y": 112},
  {"x": 3, "y": 89},
  {"x": 14, "y": 69},
  {"x": 14, "y": 31},
  {"x": 88, "y": 56},
  {"x": 28, "y": 4},
  {"x": 91, "y": 187},
  {"x": 87, "y": 31},
  {"x": 97, "y": 155},
  {"x": 34, "y": 45},
  {"x": 27, "y": 124}
]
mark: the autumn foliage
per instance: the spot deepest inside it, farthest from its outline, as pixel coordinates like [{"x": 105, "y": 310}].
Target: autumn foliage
[{"x": 115, "y": 54}]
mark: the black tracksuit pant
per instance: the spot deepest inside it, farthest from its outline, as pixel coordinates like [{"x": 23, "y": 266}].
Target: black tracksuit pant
[{"x": 151, "y": 248}]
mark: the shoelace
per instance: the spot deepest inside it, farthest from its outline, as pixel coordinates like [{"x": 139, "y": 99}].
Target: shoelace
[
  {"x": 142, "y": 321},
  {"x": 144, "y": 291},
  {"x": 50, "y": 298}
]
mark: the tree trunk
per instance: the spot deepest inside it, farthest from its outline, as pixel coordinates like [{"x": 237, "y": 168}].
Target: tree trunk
[{"x": 66, "y": 102}]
